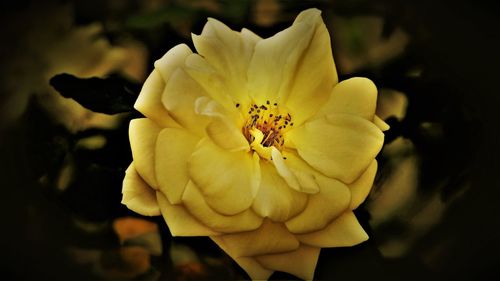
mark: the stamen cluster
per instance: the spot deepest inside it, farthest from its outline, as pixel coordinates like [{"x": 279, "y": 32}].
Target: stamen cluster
[{"x": 267, "y": 119}]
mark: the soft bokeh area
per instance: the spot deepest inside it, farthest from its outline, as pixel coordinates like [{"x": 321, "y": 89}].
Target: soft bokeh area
[{"x": 432, "y": 213}]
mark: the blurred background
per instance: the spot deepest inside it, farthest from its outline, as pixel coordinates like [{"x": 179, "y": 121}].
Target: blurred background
[{"x": 432, "y": 212}]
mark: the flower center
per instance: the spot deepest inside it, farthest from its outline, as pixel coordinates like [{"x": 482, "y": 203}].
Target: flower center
[{"x": 265, "y": 126}]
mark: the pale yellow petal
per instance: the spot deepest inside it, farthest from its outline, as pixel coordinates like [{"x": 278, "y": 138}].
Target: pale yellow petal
[
  {"x": 301, "y": 262},
  {"x": 340, "y": 146},
  {"x": 270, "y": 238},
  {"x": 180, "y": 222},
  {"x": 315, "y": 74},
  {"x": 179, "y": 99},
  {"x": 231, "y": 63},
  {"x": 283, "y": 170},
  {"x": 380, "y": 123},
  {"x": 225, "y": 178},
  {"x": 137, "y": 195},
  {"x": 271, "y": 70},
  {"x": 143, "y": 133},
  {"x": 332, "y": 200},
  {"x": 149, "y": 101},
  {"x": 275, "y": 199},
  {"x": 223, "y": 129},
  {"x": 216, "y": 85},
  {"x": 356, "y": 96},
  {"x": 304, "y": 173},
  {"x": 173, "y": 149},
  {"x": 195, "y": 203},
  {"x": 172, "y": 60},
  {"x": 249, "y": 264},
  {"x": 362, "y": 186},
  {"x": 345, "y": 231}
]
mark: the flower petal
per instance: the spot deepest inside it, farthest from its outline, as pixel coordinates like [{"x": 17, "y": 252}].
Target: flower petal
[
  {"x": 283, "y": 170},
  {"x": 270, "y": 238},
  {"x": 222, "y": 129},
  {"x": 356, "y": 96},
  {"x": 137, "y": 195},
  {"x": 315, "y": 74},
  {"x": 226, "y": 179},
  {"x": 143, "y": 133},
  {"x": 275, "y": 199},
  {"x": 301, "y": 262},
  {"x": 148, "y": 101},
  {"x": 233, "y": 62},
  {"x": 172, "y": 60},
  {"x": 249, "y": 264},
  {"x": 195, "y": 203},
  {"x": 362, "y": 186},
  {"x": 333, "y": 198},
  {"x": 179, "y": 99},
  {"x": 340, "y": 146},
  {"x": 173, "y": 149},
  {"x": 302, "y": 171},
  {"x": 344, "y": 231},
  {"x": 380, "y": 123},
  {"x": 180, "y": 222}
]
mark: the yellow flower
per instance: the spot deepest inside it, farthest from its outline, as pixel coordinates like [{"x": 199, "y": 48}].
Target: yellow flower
[{"x": 254, "y": 143}]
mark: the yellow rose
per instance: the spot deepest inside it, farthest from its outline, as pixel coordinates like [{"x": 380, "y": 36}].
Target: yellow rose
[{"x": 254, "y": 143}]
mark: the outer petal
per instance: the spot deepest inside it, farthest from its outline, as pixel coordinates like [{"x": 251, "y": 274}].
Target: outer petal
[
  {"x": 195, "y": 203},
  {"x": 233, "y": 62},
  {"x": 137, "y": 195},
  {"x": 340, "y": 145},
  {"x": 226, "y": 179},
  {"x": 249, "y": 264},
  {"x": 270, "y": 238},
  {"x": 380, "y": 123},
  {"x": 179, "y": 99},
  {"x": 333, "y": 198},
  {"x": 343, "y": 232},
  {"x": 179, "y": 221},
  {"x": 301, "y": 262},
  {"x": 173, "y": 149},
  {"x": 275, "y": 199},
  {"x": 362, "y": 186},
  {"x": 143, "y": 133},
  {"x": 295, "y": 67},
  {"x": 274, "y": 63},
  {"x": 315, "y": 74},
  {"x": 356, "y": 96},
  {"x": 148, "y": 101}
]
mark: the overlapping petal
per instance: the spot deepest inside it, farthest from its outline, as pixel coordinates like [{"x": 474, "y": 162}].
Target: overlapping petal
[
  {"x": 275, "y": 199},
  {"x": 174, "y": 147},
  {"x": 231, "y": 64},
  {"x": 301, "y": 262},
  {"x": 143, "y": 133},
  {"x": 340, "y": 146},
  {"x": 196, "y": 205},
  {"x": 342, "y": 232},
  {"x": 357, "y": 96},
  {"x": 226, "y": 179},
  {"x": 362, "y": 186},
  {"x": 137, "y": 195},
  {"x": 180, "y": 222},
  {"x": 270, "y": 238},
  {"x": 332, "y": 200},
  {"x": 179, "y": 97}
]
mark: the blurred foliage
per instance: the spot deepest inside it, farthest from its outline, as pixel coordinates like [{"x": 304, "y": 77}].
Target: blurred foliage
[{"x": 62, "y": 218}]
